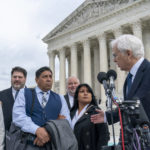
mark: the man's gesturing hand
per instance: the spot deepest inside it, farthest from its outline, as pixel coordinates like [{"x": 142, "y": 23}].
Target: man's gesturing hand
[{"x": 98, "y": 118}]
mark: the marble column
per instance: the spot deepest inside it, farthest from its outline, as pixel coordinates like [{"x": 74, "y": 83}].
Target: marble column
[
  {"x": 103, "y": 62},
  {"x": 62, "y": 73},
  {"x": 69, "y": 66},
  {"x": 146, "y": 40},
  {"x": 120, "y": 74},
  {"x": 137, "y": 29},
  {"x": 96, "y": 71},
  {"x": 87, "y": 62},
  {"x": 51, "y": 55},
  {"x": 74, "y": 60}
]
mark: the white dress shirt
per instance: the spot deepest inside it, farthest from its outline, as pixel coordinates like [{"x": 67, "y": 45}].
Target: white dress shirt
[
  {"x": 78, "y": 115},
  {"x": 2, "y": 129},
  {"x": 25, "y": 122}
]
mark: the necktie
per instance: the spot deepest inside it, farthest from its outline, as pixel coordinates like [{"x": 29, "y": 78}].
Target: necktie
[
  {"x": 16, "y": 94},
  {"x": 129, "y": 83},
  {"x": 44, "y": 101}
]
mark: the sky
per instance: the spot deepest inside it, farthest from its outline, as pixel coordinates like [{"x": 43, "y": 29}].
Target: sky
[{"x": 23, "y": 23}]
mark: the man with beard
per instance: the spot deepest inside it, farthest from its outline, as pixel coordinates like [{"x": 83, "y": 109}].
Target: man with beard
[
  {"x": 72, "y": 84},
  {"x": 8, "y": 96}
]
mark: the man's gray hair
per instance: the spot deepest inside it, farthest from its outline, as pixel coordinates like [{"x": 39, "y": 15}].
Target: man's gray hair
[
  {"x": 129, "y": 42},
  {"x": 72, "y": 77}
]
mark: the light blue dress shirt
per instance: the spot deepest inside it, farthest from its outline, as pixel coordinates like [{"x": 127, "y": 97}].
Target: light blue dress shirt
[
  {"x": 25, "y": 122},
  {"x": 135, "y": 67}
]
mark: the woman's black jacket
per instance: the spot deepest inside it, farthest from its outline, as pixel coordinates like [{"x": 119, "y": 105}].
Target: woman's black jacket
[{"x": 90, "y": 136}]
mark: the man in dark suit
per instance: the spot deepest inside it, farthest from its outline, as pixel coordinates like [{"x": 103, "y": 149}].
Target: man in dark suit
[
  {"x": 128, "y": 52},
  {"x": 72, "y": 84},
  {"x": 7, "y": 96}
]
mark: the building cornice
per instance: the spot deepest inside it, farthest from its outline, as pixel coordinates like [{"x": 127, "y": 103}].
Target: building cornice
[{"x": 91, "y": 22}]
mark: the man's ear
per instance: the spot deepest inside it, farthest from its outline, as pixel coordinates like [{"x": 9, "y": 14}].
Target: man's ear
[
  {"x": 36, "y": 80},
  {"x": 129, "y": 53}
]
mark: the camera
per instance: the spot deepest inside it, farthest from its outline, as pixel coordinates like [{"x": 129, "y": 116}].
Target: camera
[{"x": 135, "y": 127}]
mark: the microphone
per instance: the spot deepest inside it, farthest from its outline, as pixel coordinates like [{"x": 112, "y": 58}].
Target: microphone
[
  {"x": 111, "y": 75},
  {"x": 102, "y": 78}
]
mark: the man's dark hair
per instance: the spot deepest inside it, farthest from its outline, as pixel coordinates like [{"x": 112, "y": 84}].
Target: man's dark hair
[
  {"x": 42, "y": 69},
  {"x": 19, "y": 69}
]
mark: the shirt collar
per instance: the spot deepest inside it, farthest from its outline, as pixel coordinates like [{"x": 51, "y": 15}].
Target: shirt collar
[
  {"x": 38, "y": 90},
  {"x": 70, "y": 96},
  {"x": 136, "y": 66},
  {"x": 14, "y": 91}
]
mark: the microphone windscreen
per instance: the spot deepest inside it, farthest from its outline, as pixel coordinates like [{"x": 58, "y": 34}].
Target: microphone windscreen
[
  {"x": 101, "y": 77},
  {"x": 112, "y": 73}
]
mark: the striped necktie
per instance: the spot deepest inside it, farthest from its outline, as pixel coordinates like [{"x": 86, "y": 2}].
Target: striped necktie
[{"x": 44, "y": 100}]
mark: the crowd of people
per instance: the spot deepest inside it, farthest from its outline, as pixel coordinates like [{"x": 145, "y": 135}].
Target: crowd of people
[
  {"x": 26, "y": 112},
  {"x": 33, "y": 118}
]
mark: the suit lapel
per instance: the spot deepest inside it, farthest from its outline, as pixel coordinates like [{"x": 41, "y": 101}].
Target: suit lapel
[
  {"x": 124, "y": 89},
  {"x": 85, "y": 115},
  {"x": 67, "y": 100},
  {"x": 137, "y": 80},
  {"x": 10, "y": 95}
]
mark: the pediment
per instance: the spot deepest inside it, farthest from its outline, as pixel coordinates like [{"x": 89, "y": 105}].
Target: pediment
[{"x": 86, "y": 12}]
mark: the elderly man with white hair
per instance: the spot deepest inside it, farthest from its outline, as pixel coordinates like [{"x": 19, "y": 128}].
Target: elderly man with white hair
[
  {"x": 128, "y": 52},
  {"x": 72, "y": 84}
]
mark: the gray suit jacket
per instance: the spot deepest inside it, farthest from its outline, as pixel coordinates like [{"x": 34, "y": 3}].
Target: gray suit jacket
[
  {"x": 62, "y": 136},
  {"x": 67, "y": 100}
]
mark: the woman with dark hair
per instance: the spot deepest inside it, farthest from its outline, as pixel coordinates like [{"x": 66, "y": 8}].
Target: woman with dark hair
[{"x": 89, "y": 136}]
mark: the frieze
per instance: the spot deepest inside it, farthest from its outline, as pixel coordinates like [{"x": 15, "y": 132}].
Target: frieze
[{"x": 93, "y": 9}]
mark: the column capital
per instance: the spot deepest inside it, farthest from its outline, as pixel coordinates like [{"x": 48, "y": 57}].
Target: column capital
[
  {"x": 85, "y": 41},
  {"x": 117, "y": 31},
  {"x": 73, "y": 45},
  {"x": 137, "y": 28},
  {"x": 136, "y": 23},
  {"x": 61, "y": 51},
  {"x": 51, "y": 53},
  {"x": 101, "y": 36}
]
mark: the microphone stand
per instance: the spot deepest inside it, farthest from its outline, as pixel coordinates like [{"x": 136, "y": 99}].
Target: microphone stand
[{"x": 109, "y": 94}]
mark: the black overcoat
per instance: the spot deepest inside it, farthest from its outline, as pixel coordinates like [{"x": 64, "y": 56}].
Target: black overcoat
[{"x": 90, "y": 136}]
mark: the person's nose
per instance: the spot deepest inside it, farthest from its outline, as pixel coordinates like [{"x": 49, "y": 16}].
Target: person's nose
[
  {"x": 85, "y": 93},
  {"x": 49, "y": 79},
  {"x": 17, "y": 78}
]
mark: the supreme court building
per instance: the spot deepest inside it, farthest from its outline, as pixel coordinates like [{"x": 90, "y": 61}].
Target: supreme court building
[{"x": 83, "y": 39}]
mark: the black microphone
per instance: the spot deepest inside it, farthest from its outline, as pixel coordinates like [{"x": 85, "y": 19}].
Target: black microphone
[
  {"x": 111, "y": 75},
  {"x": 102, "y": 78}
]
